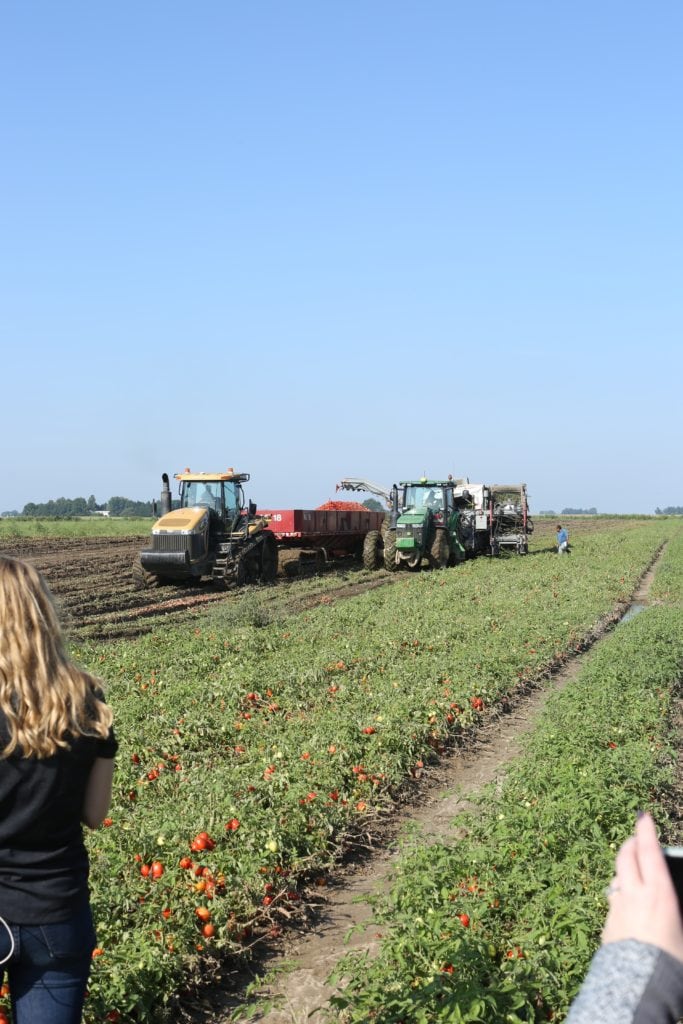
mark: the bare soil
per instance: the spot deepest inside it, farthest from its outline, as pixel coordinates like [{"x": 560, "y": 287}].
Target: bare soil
[{"x": 92, "y": 581}]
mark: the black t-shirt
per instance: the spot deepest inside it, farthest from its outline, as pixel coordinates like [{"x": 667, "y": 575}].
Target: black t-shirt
[{"x": 43, "y": 861}]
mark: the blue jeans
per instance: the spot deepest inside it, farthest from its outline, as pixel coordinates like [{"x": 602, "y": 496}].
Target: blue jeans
[{"x": 48, "y": 970}]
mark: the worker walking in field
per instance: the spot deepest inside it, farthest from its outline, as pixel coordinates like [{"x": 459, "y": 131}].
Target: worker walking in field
[{"x": 562, "y": 539}]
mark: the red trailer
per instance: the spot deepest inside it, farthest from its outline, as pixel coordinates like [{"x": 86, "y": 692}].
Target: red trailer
[{"x": 323, "y": 533}]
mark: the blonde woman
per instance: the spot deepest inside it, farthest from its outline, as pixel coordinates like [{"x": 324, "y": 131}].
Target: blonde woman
[{"x": 57, "y": 748}]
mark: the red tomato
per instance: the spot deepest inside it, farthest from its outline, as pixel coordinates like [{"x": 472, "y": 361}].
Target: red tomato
[
  {"x": 464, "y": 920},
  {"x": 157, "y": 869},
  {"x": 203, "y": 913},
  {"x": 208, "y": 931},
  {"x": 145, "y": 870}
]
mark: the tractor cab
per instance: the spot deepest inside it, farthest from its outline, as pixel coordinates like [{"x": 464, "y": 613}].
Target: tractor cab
[
  {"x": 221, "y": 494},
  {"x": 424, "y": 499}
]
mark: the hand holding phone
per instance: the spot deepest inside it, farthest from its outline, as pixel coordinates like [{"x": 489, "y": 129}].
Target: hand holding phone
[{"x": 642, "y": 901}]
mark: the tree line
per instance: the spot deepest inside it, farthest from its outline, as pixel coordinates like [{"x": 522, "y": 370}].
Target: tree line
[
  {"x": 63, "y": 508},
  {"x": 570, "y": 512}
]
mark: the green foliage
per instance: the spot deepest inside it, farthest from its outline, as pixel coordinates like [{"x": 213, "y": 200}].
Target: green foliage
[
  {"x": 64, "y": 508},
  {"x": 530, "y": 871},
  {"x": 281, "y": 737},
  {"x": 91, "y": 526}
]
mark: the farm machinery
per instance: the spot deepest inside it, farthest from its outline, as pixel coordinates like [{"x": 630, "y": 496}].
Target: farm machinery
[
  {"x": 444, "y": 521},
  {"x": 214, "y": 533},
  {"x": 493, "y": 517},
  {"x": 422, "y": 523}
]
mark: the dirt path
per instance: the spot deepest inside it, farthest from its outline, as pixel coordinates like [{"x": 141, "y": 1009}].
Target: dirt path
[{"x": 301, "y": 969}]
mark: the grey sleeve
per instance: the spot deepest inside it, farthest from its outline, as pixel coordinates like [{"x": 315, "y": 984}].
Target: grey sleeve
[{"x": 630, "y": 982}]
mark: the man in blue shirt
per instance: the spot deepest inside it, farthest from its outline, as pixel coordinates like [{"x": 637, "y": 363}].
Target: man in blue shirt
[{"x": 562, "y": 540}]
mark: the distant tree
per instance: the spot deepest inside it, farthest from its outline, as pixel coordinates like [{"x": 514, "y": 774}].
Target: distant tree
[
  {"x": 374, "y": 505},
  {"x": 548, "y": 512},
  {"x": 9, "y": 515},
  {"x": 116, "y": 505},
  {"x": 670, "y": 510},
  {"x": 119, "y": 506},
  {"x": 61, "y": 508},
  {"x": 579, "y": 511}
]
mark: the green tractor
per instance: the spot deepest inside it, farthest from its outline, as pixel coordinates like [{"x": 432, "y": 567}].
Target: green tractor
[{"x": 422, "y": 524}]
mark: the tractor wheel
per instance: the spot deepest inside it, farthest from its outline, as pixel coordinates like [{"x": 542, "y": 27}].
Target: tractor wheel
[
  {"x": 142, "y": 579},
  {"x": 385, "y": 526},
  {"x": 439, "y": 552},
  {"x": 268, "y": 558},
  {"x": 495, "y": 548},
  {"x": 390, "y": 563},
  {"x": 241, "y": 575},
  {"x": 371, "y": 551}
]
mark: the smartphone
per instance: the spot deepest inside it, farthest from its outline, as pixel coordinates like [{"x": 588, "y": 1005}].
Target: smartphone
[{"x": 674, "y": 858}]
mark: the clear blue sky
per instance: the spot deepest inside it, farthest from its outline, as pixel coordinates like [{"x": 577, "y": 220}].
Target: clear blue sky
[{"x": 314, "y": 240}]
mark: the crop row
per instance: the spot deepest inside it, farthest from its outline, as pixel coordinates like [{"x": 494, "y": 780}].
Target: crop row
[
  {"x": 77, "y": 526},
  {"x": 501, "y": 925},
  {"x": 249, "y": 753}
]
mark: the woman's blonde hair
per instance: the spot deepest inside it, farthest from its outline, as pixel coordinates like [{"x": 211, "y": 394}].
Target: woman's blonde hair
[{"x": 46, "y": 699}]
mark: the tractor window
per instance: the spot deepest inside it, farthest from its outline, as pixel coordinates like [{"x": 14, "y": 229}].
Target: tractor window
[
  {"x": 202, "y": 493},
  {"x": 423, "y": 497},
  {"x": 231, "y": 497}
]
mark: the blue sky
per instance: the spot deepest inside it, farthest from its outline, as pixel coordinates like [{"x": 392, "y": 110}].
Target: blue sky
[{"x": 322, "y": 239}]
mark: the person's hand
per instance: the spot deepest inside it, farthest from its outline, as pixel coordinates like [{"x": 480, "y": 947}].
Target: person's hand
[{"x": 642, "y": 900}]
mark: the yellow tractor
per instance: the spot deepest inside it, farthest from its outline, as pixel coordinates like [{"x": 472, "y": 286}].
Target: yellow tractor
[{"x": 211, "y": 533}]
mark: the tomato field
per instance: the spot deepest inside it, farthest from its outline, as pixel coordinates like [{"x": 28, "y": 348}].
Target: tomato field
[{"x": 263, "y": 733}]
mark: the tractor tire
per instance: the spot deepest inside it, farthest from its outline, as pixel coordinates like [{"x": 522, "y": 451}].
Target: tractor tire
[
  {"x": 268, "y": 559},
  {"x": 390, "y": 563},
  {"x": 372, "y": 556},
  {"x": 439, "y": 552},
  {"x": 459, "y": 555},
  {"x": 241, "y": 575},
  {"x": 142, "y": 578},
  {"x": 495, "y": 548},
  {"x": 385, "y": 525}
]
